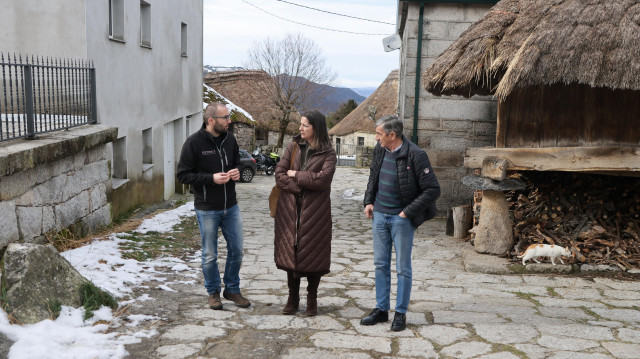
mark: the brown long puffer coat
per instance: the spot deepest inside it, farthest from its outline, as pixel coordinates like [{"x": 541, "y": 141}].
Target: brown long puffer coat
[{"x": 313, "y": 237}]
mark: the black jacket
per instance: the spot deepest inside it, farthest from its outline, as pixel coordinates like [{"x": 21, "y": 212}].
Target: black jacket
[
  {"x": 199, "y": 160},
  {"x": 419, "y": 187}
]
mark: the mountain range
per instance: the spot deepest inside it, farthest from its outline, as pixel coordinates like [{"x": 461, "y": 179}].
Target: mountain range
[
  {"x": 364, "y": 91},
  {"x": 333, "y": 97}
]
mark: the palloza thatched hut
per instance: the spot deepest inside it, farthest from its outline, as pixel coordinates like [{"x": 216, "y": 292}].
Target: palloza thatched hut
[
  {"x": 241, "y": 87},
  {"x": 358, "y": 127},
  {"x": 566, "y": 74}
]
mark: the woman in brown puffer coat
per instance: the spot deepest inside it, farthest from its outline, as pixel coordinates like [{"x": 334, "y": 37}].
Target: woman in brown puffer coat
[{"x": 303, "y": 213}]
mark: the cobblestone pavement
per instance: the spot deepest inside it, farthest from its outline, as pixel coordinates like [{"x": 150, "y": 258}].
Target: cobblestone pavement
[{"x": 453, "y": 313}]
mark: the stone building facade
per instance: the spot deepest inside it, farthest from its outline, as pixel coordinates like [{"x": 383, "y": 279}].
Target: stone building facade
[{"x": 445, "y": 126}]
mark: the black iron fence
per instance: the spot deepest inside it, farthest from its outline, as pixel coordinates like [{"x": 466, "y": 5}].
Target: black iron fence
[{"x": 41, "y": 95}]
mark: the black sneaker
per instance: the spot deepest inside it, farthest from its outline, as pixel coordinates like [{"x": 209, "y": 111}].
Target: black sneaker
[
  {"x": 376, "y": 316},
  {"x": 399, "y": 322}
]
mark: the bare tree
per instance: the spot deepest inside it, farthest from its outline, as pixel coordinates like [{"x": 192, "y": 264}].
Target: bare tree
[{"x": 296, "y": 70}]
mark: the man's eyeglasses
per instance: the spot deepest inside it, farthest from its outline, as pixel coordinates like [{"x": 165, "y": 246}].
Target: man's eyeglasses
[{"x": 227, "y": 117}]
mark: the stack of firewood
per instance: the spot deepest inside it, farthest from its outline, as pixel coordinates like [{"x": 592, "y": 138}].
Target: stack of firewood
[{"x": 596, "y": 216}]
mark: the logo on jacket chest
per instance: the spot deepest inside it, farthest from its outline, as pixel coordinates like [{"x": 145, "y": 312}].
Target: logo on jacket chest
[{"x": 209, "y": 153}]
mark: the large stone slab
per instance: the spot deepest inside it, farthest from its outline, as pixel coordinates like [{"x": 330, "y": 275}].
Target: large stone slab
[
  {"x": 483, "y": 263},
  {"x": 36, "y": 277},
  {"x": 8, "y": 223},
  {"x": 493, "y": 234}
]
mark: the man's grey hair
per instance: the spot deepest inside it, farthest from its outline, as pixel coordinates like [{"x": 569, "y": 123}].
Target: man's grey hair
[
  {"x": 390, "y": 123},
  {"x": 212, "y": 110}
]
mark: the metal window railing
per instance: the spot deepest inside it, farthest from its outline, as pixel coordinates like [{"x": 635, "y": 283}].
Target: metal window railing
[{"x": 40, "y": 95}]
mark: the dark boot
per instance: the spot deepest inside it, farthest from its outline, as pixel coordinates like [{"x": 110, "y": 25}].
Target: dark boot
[
  {"x": 294, "y": 294},
  {"x": 312, "y": 295}
]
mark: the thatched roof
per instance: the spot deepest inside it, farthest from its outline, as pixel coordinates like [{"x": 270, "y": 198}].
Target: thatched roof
[
  {"x": 240, "y": 88},
  {"x": 521, "y": 43},
  {"x": 237, "y": 113},
  {"x": 385, "y": 101}
]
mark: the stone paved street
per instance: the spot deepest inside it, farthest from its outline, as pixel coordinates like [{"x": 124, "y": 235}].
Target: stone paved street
[{"x": 454, "y": 313}]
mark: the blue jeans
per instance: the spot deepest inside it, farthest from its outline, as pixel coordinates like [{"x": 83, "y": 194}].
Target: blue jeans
[
  {"x": 230, "y": 221},
  {"x": 391, "y": 229}
]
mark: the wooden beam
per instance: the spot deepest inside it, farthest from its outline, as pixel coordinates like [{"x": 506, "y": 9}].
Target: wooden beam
[
  {"x": 572, "y": 159},
  {"x": 501, "y": 125}
]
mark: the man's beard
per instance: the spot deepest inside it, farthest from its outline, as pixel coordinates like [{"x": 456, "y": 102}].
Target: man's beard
[{"x": 219, "y": 128}]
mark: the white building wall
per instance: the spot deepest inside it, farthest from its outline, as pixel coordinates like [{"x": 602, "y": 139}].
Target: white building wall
[
  {"x": 147, "y": 87},
  {"x": 447, "y": 125},
  {"x": 138, "y": 87},
  {"x": 35, "y": 27}
]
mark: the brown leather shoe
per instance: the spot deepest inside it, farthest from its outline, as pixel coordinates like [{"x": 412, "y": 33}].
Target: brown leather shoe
[
  {"x": 237, "y": 299},
  {"x": 214, "y": 301}
]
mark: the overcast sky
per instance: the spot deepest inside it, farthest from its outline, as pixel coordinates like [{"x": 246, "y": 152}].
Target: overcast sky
[{"x": 231, "y": 27}]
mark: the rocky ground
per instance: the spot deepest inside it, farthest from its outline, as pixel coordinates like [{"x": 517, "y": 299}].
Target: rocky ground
[{"x": 463, "y": 305}]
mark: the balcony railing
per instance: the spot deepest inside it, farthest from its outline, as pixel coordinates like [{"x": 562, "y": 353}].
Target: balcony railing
[{"x": 40, "y": 95}]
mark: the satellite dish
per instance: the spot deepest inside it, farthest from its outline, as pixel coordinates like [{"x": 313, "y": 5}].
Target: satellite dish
[{"x": 392, "y": 42}]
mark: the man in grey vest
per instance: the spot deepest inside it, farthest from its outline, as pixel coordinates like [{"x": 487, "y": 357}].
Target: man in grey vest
[{"x": 401, "y": 195}]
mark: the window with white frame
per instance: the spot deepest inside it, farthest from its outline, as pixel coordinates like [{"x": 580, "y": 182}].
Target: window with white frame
[
  {"x": 183, "y": 39},
  {"x": 116, "y": 20},
  {"x": 145, "y": 24}
]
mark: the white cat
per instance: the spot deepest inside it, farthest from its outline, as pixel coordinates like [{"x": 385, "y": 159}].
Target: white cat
[{"x": 544, "y": 250}]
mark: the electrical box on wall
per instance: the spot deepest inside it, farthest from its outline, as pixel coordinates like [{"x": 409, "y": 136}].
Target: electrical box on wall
[{"x": 392, "y": 42}]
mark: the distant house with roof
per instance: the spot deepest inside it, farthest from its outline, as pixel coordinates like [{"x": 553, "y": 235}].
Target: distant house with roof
[
  {"x": 240, "y": 88},
  {"x": 358, "y": 127}
]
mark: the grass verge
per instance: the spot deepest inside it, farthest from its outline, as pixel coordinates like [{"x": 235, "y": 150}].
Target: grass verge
[{"x": 93, "y": 298}]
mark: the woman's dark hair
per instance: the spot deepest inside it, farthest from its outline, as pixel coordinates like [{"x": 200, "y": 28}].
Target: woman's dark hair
[{"x": 320, "y": 132}]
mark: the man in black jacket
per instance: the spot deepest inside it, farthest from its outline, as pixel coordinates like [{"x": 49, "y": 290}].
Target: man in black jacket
[
  {"x": 400, "y": 196},
  {"x": 210, "y": 163}
]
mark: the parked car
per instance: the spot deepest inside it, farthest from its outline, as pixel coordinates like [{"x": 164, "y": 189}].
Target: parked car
[{"x": 249, "y": 167}]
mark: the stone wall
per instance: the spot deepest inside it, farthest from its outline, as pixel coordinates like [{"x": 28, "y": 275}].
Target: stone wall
[
  {"x": 364, "y": 155},
  {"x": 447, "y": 125},
  {"x": 273, "y": 138},
  {"x": 245, "y": 135},
  {"x": 57, "y": 181}
]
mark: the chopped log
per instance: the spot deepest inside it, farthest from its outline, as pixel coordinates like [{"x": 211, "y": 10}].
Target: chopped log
[
  {"x": 578, "y": 256},
  {"x": 462, "y": 221},
  {"x": 596, "y": 216},
  {"x": 449, "y": 225}
]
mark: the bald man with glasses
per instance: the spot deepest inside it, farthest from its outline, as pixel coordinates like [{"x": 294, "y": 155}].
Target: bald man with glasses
[{"x": 210, "y": 163}]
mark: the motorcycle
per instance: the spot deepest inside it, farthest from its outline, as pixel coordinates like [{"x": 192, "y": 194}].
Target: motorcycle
[{"x": 266, "y": 163}]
